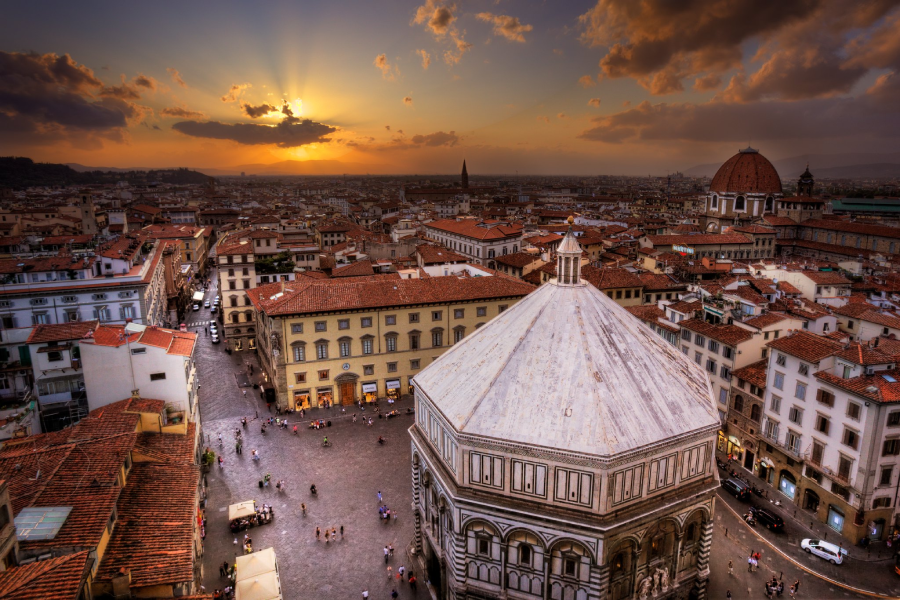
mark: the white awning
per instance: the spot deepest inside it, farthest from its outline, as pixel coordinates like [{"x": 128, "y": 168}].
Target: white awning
[
  {"x": 370, "y": 388},
  {"x": 242, "y": 510},
  {"x": 261, "y": 587},
  {"x": 255, "y": 564},
  {"x": 393, "y": 384}
]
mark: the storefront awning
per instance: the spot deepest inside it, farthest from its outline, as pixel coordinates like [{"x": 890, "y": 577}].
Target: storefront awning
[
  {"x": 370, "y": 388},
  {"x": 241, "y": 510},
  {"x": 393, "y": 384}
]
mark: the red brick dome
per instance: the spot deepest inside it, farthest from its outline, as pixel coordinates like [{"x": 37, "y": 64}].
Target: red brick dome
[{"x": 747, "y": 172}]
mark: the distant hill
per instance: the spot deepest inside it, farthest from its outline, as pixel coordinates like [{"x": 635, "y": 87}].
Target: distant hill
[
  {"x": 824, "y": 166},
  {"x": 305, "y": 167},
  {"x": 20, "y": 172}
]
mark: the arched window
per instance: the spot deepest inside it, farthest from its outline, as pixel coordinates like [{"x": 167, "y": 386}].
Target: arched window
[
  {"x": 740, "y": 203},
  {"x": 770, "y": 204}
]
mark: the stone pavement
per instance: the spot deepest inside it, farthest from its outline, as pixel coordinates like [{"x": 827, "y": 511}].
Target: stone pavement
[{"x": 348, "y": 476}]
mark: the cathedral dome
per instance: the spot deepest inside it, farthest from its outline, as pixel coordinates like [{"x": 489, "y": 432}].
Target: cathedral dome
[
  {"x": 569, "y": 369},
  {"x": 747, "y": 172}
]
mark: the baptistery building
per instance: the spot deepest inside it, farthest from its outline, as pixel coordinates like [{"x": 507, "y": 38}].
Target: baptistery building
[
  {"x": 745, "y": 188},
  {"x": 564, "y": 451}
]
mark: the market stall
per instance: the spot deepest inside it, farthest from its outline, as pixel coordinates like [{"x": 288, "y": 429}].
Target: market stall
[
  {"x": 257, "y": 576},
  {"x": 245, "y": 515}
]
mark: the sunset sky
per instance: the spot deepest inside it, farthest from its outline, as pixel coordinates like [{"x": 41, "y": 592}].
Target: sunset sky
[{"x": 392, "y": 86}]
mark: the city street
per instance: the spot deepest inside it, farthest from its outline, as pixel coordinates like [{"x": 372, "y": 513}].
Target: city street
[{"x": 348, "y": 475}]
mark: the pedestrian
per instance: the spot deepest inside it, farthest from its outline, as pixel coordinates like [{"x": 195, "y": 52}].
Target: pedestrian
[
  {"x": 379, "y": 496},
  {"x": 223, "y": 569},
  {"x": 327, "y": 536},
  {"x": 391, "y": 550},
  {"x": 750, "y": 563},
  {"x": 385, "y": 554},
  {"x": 412, "y": 581},
  {"x": 318, "y": 533},
  {"x": 342, "y": 532},
  {"x": 731, "y": 568},
  {"x": 354, "y": 417},
  {"x": 365, "y": 594},
  {"x": 221, "y": 462},
  {"x": 390, "y": 572},
  {"x": 394, "y": 593},
  {"x": 333, "y": 534},
  {"x": 728, "y": 594},
  {"x": 795, "y": 588},
  {"x": 400, "y": 570}
]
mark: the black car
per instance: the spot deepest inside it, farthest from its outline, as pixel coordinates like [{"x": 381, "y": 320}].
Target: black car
[
  {"x": 737, "y": 488},
  {"x": 766, "y": 517}
]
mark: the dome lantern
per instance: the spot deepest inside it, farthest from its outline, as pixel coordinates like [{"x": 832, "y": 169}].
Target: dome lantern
[{"x": 568, "y": 259}]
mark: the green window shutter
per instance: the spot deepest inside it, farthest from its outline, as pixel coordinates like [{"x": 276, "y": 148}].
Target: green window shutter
[
  {"x": 25, "y": 356},
  {"x": 76, "y": 352}
]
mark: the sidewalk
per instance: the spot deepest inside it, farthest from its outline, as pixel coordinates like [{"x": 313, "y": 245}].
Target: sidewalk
[{"x": 804, "y": 520}]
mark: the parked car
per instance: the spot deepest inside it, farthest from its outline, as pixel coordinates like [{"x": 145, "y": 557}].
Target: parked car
[
  {"x": 830, "y": 552},
  {"x": 766, "y": 517},
  {"x": 206, "y": 304},
  {"x": 213, "y": 329},
  {"x": 737, "y": 488},
  {"x": 215, "y": 338},
  {"x": 214, "y": 308},
  {"x": 196, "y": 307}
]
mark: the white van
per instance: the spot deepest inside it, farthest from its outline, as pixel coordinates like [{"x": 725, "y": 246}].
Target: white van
[{"x": 830, "y": 552}]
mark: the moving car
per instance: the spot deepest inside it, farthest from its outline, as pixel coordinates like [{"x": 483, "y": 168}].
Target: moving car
[
  {"x": 213, "y": 329},
  {"x": 196, "y": 307},
  {"x": 830, "y": 552},
  {"x": 215, "y": 338},
  {"x": 214, "y": 308},
  {"x": 737, "y": 488},
  {"x": 206, "y": 304},
  {"x": 768, "y": 518}
]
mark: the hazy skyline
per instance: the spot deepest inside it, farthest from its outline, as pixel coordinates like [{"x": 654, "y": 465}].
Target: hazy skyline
[{"x": 615, "y": 86}]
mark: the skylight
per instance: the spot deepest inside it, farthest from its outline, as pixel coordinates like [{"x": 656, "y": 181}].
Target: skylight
[
  {"x": 889, "y": 379},
  {"x": 42, "y": 523}
]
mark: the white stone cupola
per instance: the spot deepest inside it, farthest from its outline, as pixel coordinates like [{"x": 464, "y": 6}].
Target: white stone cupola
[{"x": 568, "y": 259}]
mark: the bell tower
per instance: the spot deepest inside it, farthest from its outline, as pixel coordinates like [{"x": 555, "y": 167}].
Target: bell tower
[
  {"x": 805, "y": 184},
  {"x": 464, "y": 180},
  {"x": 568, "y": 259}
]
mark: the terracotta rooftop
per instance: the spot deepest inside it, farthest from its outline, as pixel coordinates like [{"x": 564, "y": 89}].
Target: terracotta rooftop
[
  {"x": 806, "y": 346},
  {"x": 479, "y": 230},
  {"x": 703, "y": 239},
  {"x": 60, "y": 578},
  {"x": 355, "y": 269},
  {"x": 438, "y": 255},
  {"x": 747, "y": 172},
  {"x": 310, "y": 296},
  {"x": 864, "y": 355},
  {"x": 855, "y": 228},
  {"x": 730, "y": 335},
  {"x": 754, "y": 373},
  {"x": 61, "y": 332},
  {"x": 610, "y": 278},
  {"x": 766, "y": 320},
  {"x": 874, "y": 387}
]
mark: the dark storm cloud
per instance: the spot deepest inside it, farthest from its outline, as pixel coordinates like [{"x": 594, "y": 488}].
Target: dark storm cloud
[
  {"x": 805, "y": 48},
  {"x": 254, "y": 112},
  {"x": 181, "y": 112},
  {"x": 291, "y": 132}
]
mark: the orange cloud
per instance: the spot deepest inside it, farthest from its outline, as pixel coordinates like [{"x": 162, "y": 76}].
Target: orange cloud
[
  {"x": 707, "y": 82},
  {"x": 408, "y": 100},
  {"x": 595, "y": 102},
  {"x": 426, "y": 58},
  {"x": 504, "y": 25},
  {"x": 388, "y": 72},
  {"x": 176, "y": 76},
  {"x": 235, "y": 92},
  {"x": 181, "y": 112},
  {"x": 586, "y": 81}
]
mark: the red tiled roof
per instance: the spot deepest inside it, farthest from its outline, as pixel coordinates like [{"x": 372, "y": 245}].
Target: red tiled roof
[
  {"x": 865, "y": 312},
  {"x": 856, "y": 228},
  {"x": 754, "y": 229},
  {"x": 754, "y": 373},
  {"x": 61, "y": 332},
  {"x": 747, "y": 172},
  {"x": 806, "y": 346},
  {"x": 359, "y": 268},
  {"x": 874, "y": 387},
  {"x": 60, "y": 578},
  {"x": 610, "y": 278},
  {"x": 309, "y": 296},
  {"x": 438, "y": 255},
  {"x": 480, "y": 230},
  {"x": 862, "y": 354},
  {"x": 704, "y": 239},
  {"x": 826, "y": 277},
  {"x": 776, "y": 221},
  {"x": 763, "y": 321},
  {"x": 730, "y": 335}
]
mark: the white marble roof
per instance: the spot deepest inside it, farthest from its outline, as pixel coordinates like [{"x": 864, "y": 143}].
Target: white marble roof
[{"x": 570, "y": 369}]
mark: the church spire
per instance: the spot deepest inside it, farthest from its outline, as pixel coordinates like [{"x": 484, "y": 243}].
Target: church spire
[
  {"x": 568, "y": 259},
  {"x": 465, "y": 176}
]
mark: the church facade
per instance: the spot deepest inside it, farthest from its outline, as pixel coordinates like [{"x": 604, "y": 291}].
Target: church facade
[{"x": 564, "y": 451}]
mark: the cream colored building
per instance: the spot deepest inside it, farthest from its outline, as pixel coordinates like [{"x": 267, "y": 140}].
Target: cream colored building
[
  {"x": 361, "y": 338},
  {"x": 564, "y": 451}
]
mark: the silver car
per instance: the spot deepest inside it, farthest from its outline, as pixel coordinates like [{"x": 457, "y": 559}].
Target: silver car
[{"x": 830, "y": 552}]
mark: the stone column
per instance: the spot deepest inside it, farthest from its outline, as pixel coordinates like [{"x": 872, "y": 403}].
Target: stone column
[
  {"x": 599, "y": 582},
  {"x": 673, "y": 570},
  {"x": 703, "y": 560},
  {"x": 417, "y": 515}
]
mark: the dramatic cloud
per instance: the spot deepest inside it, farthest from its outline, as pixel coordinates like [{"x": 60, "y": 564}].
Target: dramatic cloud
[
  {"x": 400, "y": 142},
  {"x": 52, "y": 98},
  {"x": 438, "y": 138},
  {"x": 407, "y": 100},
  {"x": 176, "y": 76},
  {"x": 426, "y": 58},
  {"x": 707, "y": 82},
  {"x": 718, "y": 121},
  {"x": 506, "y": 26},
  {"x": 387, "y": 127},
  {"x": 586, "y": 81},
  {"x": 436, "y": 16},
  {"x": 181, "y": 112},
  {"x": 803, "y": 48},
  {"x": 388, "y": 72},
  {"x": 235, "y": 92},
  {"x": 595, "y": 102},
  {"x": 291, "y": 132},
  {"x": 439, "y": 19},
  {"x": 145, "y": 82},
  {"x": 254, "y": 112}
]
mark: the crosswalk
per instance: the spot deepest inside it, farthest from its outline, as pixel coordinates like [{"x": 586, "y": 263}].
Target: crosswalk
[{"x": 201, "y": 324}]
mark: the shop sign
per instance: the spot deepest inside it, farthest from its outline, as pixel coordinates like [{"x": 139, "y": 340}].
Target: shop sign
[
  {"x": 393, "y": 384},
  {"x": 370, "y": 388},
  {"x": 683, "y": 249}
]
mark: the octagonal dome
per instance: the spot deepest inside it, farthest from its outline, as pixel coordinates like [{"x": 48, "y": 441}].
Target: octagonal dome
[
  {"x": 747, "y": 172},
  {"x": 567, "y": 368}
]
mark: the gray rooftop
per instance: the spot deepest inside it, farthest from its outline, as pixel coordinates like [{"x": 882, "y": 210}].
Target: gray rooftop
[{"x": 570, "y": 369}]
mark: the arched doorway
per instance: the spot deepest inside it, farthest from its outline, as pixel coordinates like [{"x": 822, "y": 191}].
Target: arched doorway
[
  {"x": 811, "y": 500},
  {"x": 346, "y": 384}
]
